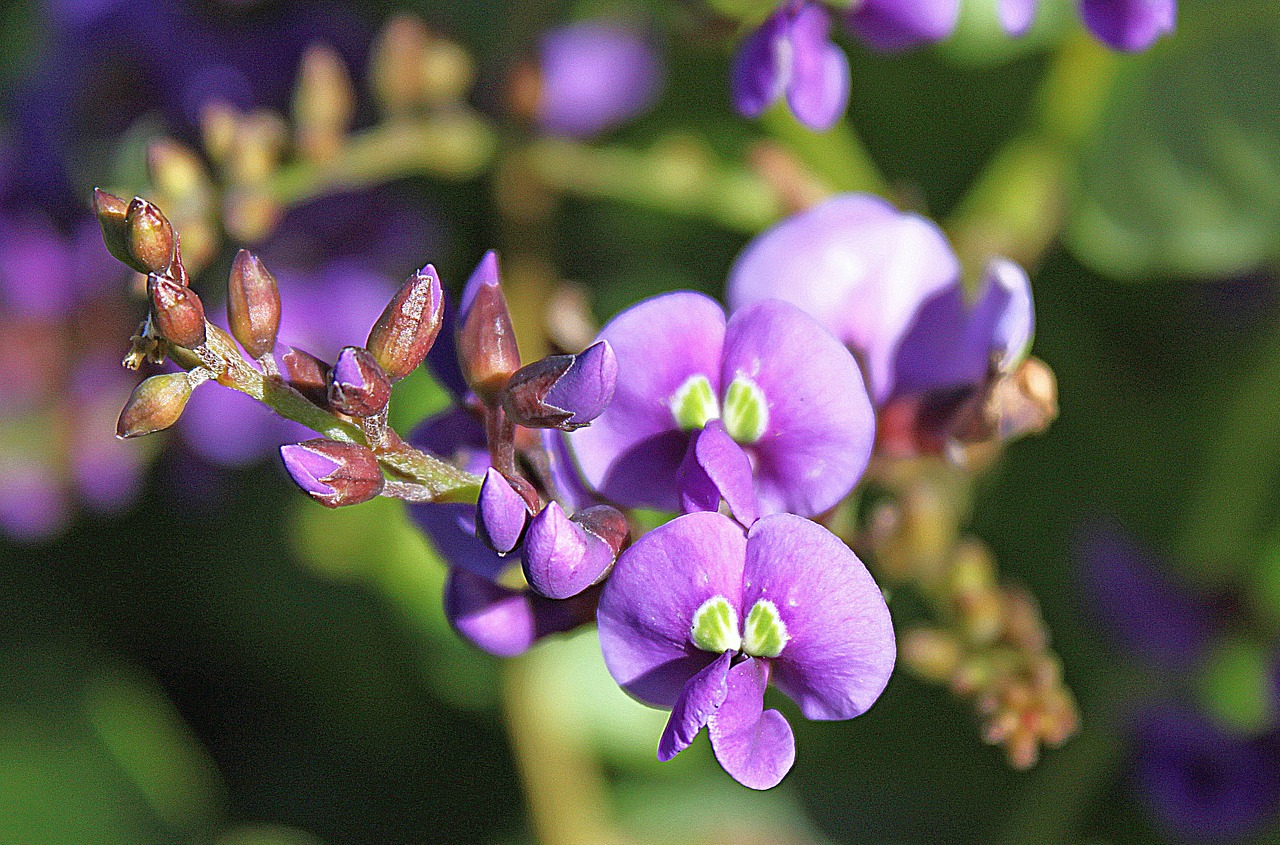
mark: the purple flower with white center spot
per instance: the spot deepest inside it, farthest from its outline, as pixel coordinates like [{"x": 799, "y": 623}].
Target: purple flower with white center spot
[
  {"x": 595, "y": 76},
  {"x": 892, "y": 25},
  {"x": 699, "y": 617},
  {"x": 889, "y": 286},
  {"x": 791, "y": 55},
  {"x": 785, "y": 390}
]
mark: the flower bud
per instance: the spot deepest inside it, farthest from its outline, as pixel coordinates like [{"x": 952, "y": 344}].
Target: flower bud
[
  {"x": 334, "y": 474},
  {"x": 111, "y": 211},
  {"x": 501, "y": 513},
  {"x": 561, "y": 558},
  {"x": 486, "y": 339},
  {"x": 407, "y": 329},
  {"x": 149, "y": 237},
  {"x": 155, "y": 404},
  {"x": 323, "y": 103},
  {"x": 177, "y": 312},
  {"x": 306, "y": 374},
  {"x": 253, "y": 304},
  {"x": 494, "y": 618},
  {"x": 563, "y": 391},
  {"x": 357, "y": 385}
]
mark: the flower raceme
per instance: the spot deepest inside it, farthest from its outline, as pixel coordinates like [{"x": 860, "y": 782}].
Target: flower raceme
[{"x": 700, "y": 616}]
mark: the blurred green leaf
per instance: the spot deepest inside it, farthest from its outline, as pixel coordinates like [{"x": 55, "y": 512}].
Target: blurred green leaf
[
  {"x": 1183, "y": 178},
  {"x": 1235, "y": 685}
]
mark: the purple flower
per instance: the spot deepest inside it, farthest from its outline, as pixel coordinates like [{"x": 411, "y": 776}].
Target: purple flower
[
  {"x": 891, "y": 25},
  {"x": 33, "y": 503},
  {"x": 595, "y": 76},
  {"x": 791, "y": 55},
  {"x": 1129, "y": 25},
  {"x": 506, "y": 622},
  {"x": 784, "y": 389},
  {"x": 1201, "y": 783},
  {"x": 699, "y": 618},
  {"x": 887, "y": 284},
  {"x": 1016, "y": 16}
]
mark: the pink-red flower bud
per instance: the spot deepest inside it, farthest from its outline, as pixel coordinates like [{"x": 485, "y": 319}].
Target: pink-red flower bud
[
  {"x": 111, "y": 211},
  {"x": 407, "y": 329},
  {"x": 155, "y": 404},
  {"x": 357, "y": 385},
  {"x": 149, "y": 237},
  {"x": 334, "y": 474},
  {"x": 253, "y": 304},
  {"x": 177, "y": 312},
  {"x": 306, "y": 374},
  {"x": 487, "y": 348}
]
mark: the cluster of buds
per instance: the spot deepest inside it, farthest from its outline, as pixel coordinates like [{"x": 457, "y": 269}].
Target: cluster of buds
[{"x": 988, "y": 642}]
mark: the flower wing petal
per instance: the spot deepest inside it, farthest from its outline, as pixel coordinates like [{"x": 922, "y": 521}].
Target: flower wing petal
[{"x": 755, "y": 746}]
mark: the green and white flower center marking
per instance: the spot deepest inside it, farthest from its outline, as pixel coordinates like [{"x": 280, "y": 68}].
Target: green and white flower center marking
[
  {"x": 715, "y": 626},
  {"x": 746, "y": 411},
  {"x": 694, "y": 403},
  {"x": 766, "y": 634}
]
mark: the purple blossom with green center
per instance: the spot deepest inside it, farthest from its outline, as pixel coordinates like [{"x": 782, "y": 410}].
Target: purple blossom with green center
[
  {"x": 1128, "y": 25},
  {"x": 791, "y": 55},
  {"x": 594, "y": 76},
  {"x": 893, "y": 25},
  {"x": 888, "y": 285},
  {"x": 699, "y": 617},
  {"x": 785, "y": 390}
]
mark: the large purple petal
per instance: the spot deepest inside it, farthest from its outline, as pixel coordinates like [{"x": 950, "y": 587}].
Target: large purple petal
[
  {"x": 820, "y": 422},
  {"x": 1016, "y": 16},
  {"x": 758, "y": 76},
  {"x": 698, "y": 700},
  {"x": 717, "y": 468},
  {"x": 841, "y": 648},
  {"x": 631, "y": 453},
  {"x": 1138, "y": 601},
  {"x": 856, "y": 264},
  {"x": 890, "y": 25},
  {"x": 818, "y": 89},
  {"x": 647, "y": 606},
  {"x": 1130, "y": 25},
  {"x": 755, "y": 746}
]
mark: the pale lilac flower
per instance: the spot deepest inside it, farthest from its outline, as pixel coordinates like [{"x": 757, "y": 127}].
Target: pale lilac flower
[
  {"x": 888, "y": 285},
  {"x": 784, "y": 388},
  {"x": 892, "y": 25},
  {"x": 595, "y": 76},
  {"x": 791, "y": 55},
  {"x": 699, "y": 617}
]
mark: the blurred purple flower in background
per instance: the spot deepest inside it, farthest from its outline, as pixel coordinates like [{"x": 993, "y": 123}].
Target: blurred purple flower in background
[
  {"x": 791, "y": 55},
  {"x": 594, "y": 76},
  {"x": 891, "y": 25},
  {"x": 699, "y": 618},
  {"x": 1128, "y": 25},
  {"x": 786, "y": 391}
]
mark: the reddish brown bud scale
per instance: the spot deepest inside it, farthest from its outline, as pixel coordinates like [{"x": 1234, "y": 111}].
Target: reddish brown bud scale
[
  {"x": 334, "y": 474},
  {"x": 524, "y": 395},
  {"x": 607, "y": 523},
  {"x": 357, "y": 385},
  {"x": 177, "y": 312},
  {"x": 155, "y": 404},
  {"x": 253, "y": 304},
  {"x": 487, "y": 344},
  {"x": 149, "y": 237},
  {"x": 111, "y": 211},
  {"x": 306, "y": 374},
  {"x": 407, "y": 329}
]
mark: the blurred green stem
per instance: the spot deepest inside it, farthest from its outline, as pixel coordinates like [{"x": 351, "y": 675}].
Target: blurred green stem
[{"x": 837, "y": 156}]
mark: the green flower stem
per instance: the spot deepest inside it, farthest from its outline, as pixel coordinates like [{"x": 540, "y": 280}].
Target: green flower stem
[
  {"x": 439, "y": 480},
  {"x": 454, "y": 144},
  {"x": 837, "y": 156},
  {"x": 677, "y": 175},
  {"x": 1017, "y": 206}
]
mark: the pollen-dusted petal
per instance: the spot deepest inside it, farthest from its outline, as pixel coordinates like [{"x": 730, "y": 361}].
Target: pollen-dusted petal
[
  {"x": 647, "y": 606},
  {"x": 891, "y": 25},
  {"x": 755, "y": 746},
  {"x": 700, "y": 697},
  {"x": 840, "y": 649},
  {"x": 818, "y": 90},
  {"x": 717, "y": 468},
  {"x": 632, "y": 451},
  {"x": 857, "y": 265},
  {"x": 820, "y": 422},
  {"x": 1130, "y": 25}
]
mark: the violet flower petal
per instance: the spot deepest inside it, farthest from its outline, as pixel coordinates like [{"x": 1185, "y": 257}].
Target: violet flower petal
[
  {"x": 647, "y": 605},
  {"x": 595, "y": 76},
  {"x": 501, "y": 511},
  {"x": 755, "y": 746},
  {"x": 486, "y": 275},
  {"x": 1129, "y": 25},
  {"x": 496, "y": 619},
  {"x": 818, "y": 90},
  {"x": 892, "y": 25},
  {"x": 840, "y": 650},
  {"x": 1139, "y": 601},
  {"x": 631, "y": 453},
  {"x": 758, "y": 77},
  {"x": 563, "y": 472},
  {"x": 857, "y": 265},
  {"x": 1016, "y": 16},
  {"x": 717, "y": 468},
  {"x": 561, "y": 559},
  {"x": 586, "y": 388},
  {"x": 699, "y": 699},
  {"x": 821, "y": 426}
]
